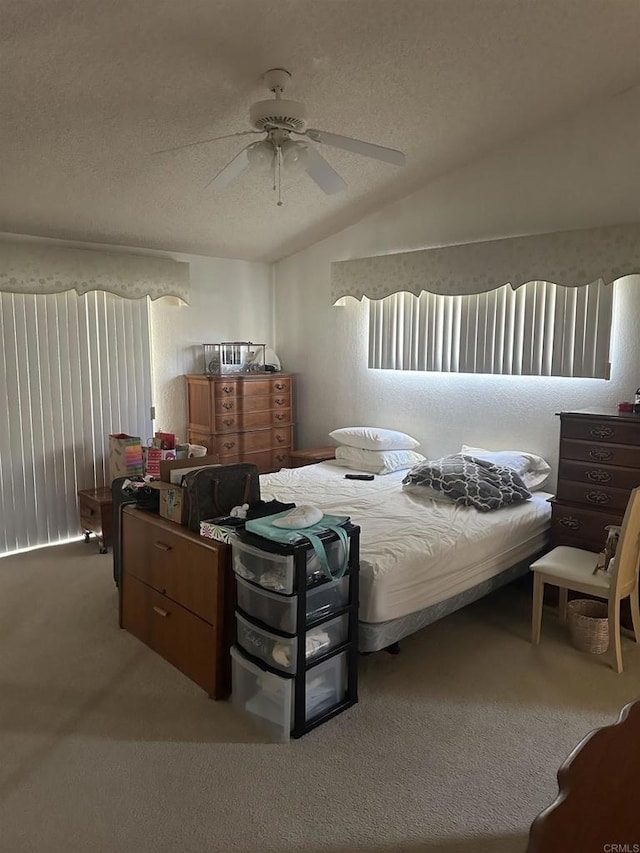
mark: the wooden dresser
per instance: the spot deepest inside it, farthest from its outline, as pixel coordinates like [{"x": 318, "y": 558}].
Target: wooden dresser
[
  {"x": 177, "y": 595},
  {"x": 599, "y": 465},
  {"x": 299, "y": 458},
  {"x": 242, "y": 417}
]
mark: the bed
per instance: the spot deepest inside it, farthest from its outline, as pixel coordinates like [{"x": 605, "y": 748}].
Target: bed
[{"x": 420, "y": 559}]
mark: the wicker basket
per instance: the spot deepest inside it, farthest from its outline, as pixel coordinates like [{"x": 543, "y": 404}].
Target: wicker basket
[{"x": 589, "y": 625}]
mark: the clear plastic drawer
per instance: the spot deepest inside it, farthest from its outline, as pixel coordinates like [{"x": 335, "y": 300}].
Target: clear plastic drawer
[
  {"x": 277, "y": 571},
  {"x": 269, "y": 698},
  {"x": 281, "y": 652},
  {"x": 281, "y": 612}
]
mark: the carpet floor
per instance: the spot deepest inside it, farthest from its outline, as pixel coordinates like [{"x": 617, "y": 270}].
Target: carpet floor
[{"x": 453, "y": 747}]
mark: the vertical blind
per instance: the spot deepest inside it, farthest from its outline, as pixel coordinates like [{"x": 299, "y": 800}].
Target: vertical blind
[
  {"x": 73, "y": 369},
  {"x": 539, "y": 329}
]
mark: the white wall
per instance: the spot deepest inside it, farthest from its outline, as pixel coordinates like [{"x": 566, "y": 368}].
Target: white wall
[
  {"x": 230, "y": 300},
  {"x": 582, "y": 173}
]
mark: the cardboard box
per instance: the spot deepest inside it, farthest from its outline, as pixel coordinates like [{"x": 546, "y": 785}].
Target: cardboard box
[{"x": 173, "y": 502}]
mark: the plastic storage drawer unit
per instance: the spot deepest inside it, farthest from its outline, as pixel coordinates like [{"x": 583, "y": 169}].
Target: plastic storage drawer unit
[
  {"x": 270, "y": 697},
  {"x": 280, "y": 611},
  {"x": 276, "y": 571},
  {"x": 281, "y": 652}
]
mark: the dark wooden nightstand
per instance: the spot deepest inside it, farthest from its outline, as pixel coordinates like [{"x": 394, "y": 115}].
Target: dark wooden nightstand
[
  {"x": 298, "y": 458},
  {"x": 96, "y": 515}
]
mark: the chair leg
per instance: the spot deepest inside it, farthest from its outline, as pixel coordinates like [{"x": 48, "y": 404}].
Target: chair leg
[
  {"x": 536, "y": 613},
  {"x": 614, "y": 633},
  {"x": 635, "y": 614},
  {"x": 562, "y": 603}
]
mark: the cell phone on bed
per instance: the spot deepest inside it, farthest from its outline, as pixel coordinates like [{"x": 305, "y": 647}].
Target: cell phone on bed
[{"x": 359, "y": 477}]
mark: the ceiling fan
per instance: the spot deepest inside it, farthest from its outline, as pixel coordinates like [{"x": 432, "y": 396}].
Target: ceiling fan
[{"x": 280, "y": 121}]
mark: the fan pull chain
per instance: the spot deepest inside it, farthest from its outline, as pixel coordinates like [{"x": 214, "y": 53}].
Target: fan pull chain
[{"x": 279, "y": 151}]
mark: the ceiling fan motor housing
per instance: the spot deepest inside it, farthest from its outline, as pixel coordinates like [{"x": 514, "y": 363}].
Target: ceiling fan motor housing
[{"x": 278, "y": 113}]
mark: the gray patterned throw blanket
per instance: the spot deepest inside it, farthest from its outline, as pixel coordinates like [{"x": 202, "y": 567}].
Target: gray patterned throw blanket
[{"x": 469, "y": 481}]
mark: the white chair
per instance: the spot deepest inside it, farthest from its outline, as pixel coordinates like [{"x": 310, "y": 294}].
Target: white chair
[{"x": 572, "y": 568}]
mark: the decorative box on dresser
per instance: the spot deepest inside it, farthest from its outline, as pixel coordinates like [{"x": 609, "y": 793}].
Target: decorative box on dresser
[
  {"x": 177, "y": 595},
  {"x": 599, "y": 465},
  {"x": 242, "y": 417}
]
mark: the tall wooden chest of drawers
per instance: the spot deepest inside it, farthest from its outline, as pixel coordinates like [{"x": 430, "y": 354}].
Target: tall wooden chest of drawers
[
  {"x": 177, "y": 595},
  {"x": 599, "y": 465},
  {"x": 242, "y": 417}
]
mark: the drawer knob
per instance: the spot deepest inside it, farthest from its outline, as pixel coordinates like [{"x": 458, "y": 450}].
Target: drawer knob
[
  {"x": 280, "y": 439},
  {"x": 160, "y": 611},
  {"x": 229, "y": 444},
  {"x": 279, "y": 386},
  {"x": 227, "y": 389},
  {"x": 569, "y": 521},
  {"x": 280, "y": 416},
  {"x": 162, "y": 546},
  {"x": 601, "y": 432},
  {"x": 227, "y": 406},
  {"x": 280, "y": 457},
  {"x": 597, "y": 475},
  {"x": 229, "y": 421},
  {"x": 598, "y": 498},
  {"x": 601, "y": 454},
  {"x": 280, "y": 402}
]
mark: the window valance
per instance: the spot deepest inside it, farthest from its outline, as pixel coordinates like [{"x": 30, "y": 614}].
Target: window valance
[
  {"x": 30, "y": 267},
  {"x": 569, "y": 258}
]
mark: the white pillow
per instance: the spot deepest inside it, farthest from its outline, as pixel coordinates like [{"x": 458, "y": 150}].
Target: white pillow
[
  {"x": 376, "y": 461},
  {"x": 374, "y": 438},
  {"x": 533, "y": 469}
]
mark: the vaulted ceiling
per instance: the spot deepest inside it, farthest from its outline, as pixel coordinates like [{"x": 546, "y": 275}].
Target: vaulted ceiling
[{"x": 90, "y": 89}]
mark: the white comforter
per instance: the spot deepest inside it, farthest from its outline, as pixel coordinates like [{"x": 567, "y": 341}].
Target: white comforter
[{"x": 415, "y": 552}]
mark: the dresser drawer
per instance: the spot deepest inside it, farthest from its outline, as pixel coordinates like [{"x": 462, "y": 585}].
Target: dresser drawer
[
  {"x": 281, "y": 403},
  {"x": 612, "y": 454},
  {"x": 597, "y": 496},
  {"x": 239, "y": 421},
  {"x": 255, "y": 387},
  {"x": 183, "y": 570},
  {"x": 593, "y": 429},
  {"x": 226, "y": 388},
  {"x": 183, "y": 639},
  {"x": 280, "y": 416},
  {"x": 600, "y": 475},
  {"x": 240, "y": 443},
  {"x": 581, "y": 525},
  {"x": 280, "y": 459},
  {"x": 225, "y": 406},
  {"x": 281, "y": 385},
  {"x": 235, "y": 444}
]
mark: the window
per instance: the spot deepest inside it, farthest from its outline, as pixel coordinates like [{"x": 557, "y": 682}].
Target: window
[
  {"x": 539, "y": 329},
  {"x": 72, "y": 370}
]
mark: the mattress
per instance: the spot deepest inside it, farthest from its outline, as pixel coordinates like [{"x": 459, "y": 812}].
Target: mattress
[{"x": 415, "y": 552}]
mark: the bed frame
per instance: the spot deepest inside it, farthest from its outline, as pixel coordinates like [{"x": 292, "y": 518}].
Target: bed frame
[{"x": 375, "y": 636}]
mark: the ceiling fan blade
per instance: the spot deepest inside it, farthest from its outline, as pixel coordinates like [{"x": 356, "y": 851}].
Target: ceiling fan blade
[
  {"x": 368, "y": 149},
  {"x": 231, "y": 171},
  {"x": 204, "y": 141},
  {"x": 322, "y": 173}
]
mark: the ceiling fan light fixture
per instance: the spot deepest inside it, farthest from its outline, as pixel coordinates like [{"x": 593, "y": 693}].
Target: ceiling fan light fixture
[
  {"x": 294, "y": 156},
  {"x": 260, "y": 156}
]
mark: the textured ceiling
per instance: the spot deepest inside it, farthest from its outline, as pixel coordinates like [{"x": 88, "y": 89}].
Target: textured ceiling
[{"x": 90, "y": 89}]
